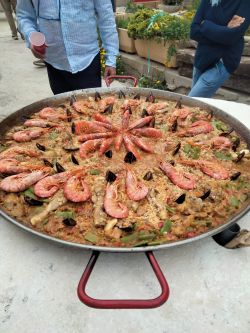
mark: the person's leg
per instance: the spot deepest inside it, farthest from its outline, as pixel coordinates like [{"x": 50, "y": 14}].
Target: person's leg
[
  {"x": 196, "y": 74},
  {"x": 6, "y": 4},
  {"x": 210, "y": 81},
  {"x": 57, "y": 81},
  {"x": 90, "y": 77}
]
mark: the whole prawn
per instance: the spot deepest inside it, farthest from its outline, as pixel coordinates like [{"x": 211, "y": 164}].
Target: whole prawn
[{"x": 22, "y": 181}]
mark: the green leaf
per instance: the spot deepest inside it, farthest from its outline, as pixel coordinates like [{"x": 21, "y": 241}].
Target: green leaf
[
  {"x": 130, "y": 238},
  {"x": 164, "y": 128},
  {"x": 53, "y": 135},
  {"x": 67, "y": 214},
  {"x": 192, "y": 151},
  {"x": 220, "y": 125},
  {"x": 30, "y": 193},
  {"x": 166, "y": 227},
  {"x": 170, "y": 209},
  {"x": 146, "y": 236},
  {"x": 2, "y": 147},
  {"x": 94, "y": 172},
  {"x": 92, "y": 238},
  {"x": 223, "y": 156},
  {"x": 234, "y": 202}
]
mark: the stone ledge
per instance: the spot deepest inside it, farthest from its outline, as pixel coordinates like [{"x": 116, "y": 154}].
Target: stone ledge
[{"x": 137, "y": 66}]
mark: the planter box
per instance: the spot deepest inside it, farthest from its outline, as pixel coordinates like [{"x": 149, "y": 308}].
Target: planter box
[
  {"x": 156, "y": 51},
  {"x": 147, "y": 3},
  {"x": 126, "y": 43}
]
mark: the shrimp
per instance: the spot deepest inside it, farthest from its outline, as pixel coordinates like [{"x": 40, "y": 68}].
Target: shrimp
[
  {"x": 28, "y": 135},
  {"x": 83, "y": 106},
  {"x": 140, "y": 123},
  {"x": 51, "y": 114},
  {"x": 93, "y": 136},
  {"x": 118, "y": 142},
  {"x": 180, "y": 113},
  {"x": 88, "y": 127},
  {"x": 111, "y": 206},
  {"x": 39, "y": 123},
  {"x": 130, "y": 146},
  {"x": 210, "y": 168},
  {"x": 89, "y": 146},
  {"x": 22, "y": 181},
  {"x": 148, "y": 132},
  {"x": 106, "y": 143},
  {"x": 136, "y": 191},
  {"x": 221, "y": 142},
  {"x": 181, "y": 179},
  {"x": 198, "y": 127},
  {"x": 105, "y": 102},
  {"x": 129, "y": 103},
  {"x": 76, "y": 190},
  {"x": 139, "y": 143},
  {"x": 12, "y": 152},
  {"x": 153, "y": 108},
  {"x": 125, "y": 119},
  {"x": 99, "y": 117},
  {"x": 12, "y": 166},
  {"x": 48, "y": 186}
]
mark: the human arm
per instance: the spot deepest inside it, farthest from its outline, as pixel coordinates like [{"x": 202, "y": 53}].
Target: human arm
[
  {"x": 108, "y": 32},
  {"x": 228, "y": 35},
  {"x": 195, "y": 31}
]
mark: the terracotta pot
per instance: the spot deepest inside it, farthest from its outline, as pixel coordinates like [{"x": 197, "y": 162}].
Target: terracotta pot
[
  {"x": 169, "y": 9},
  {"x": 126, "y": 43},
  {"x": 157, "y": 51}
]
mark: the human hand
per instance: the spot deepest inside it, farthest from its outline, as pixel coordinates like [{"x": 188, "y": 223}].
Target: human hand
[
  {"x": 236, "y": 21},
  {"x": 39, "y": 54},
  {"x": 109, "y": 71}
]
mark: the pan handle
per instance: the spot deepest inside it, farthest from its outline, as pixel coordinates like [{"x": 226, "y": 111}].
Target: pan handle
[
  {"x": 123, "y": 304},
  {"x": 110, "y": 78}
]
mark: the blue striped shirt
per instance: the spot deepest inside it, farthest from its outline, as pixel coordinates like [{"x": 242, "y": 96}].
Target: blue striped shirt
[{"x": 70, "y": 29}]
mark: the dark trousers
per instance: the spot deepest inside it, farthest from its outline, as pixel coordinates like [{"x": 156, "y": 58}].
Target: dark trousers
[{"x": 62, "y": 81}]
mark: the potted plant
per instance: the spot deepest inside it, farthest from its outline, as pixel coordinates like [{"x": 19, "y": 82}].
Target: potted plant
[
  {"x": 157, "y": 35},
  {"x": 126, "y": 43},
  {"x": 170, "y": 6}
]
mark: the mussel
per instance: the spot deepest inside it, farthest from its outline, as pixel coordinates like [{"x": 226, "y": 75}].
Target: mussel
[
  {"x": 109, "y": 109},
  {"x": 236, "y": 144},
  {"x": 205, "y": 195},
  {"x": 74, "y": 160},
  {"x": 59, "y": 167},
  {"x": 69, "y": 222},
  {"x": 179, "y": 104},
  {"x": 73, "y": 128},
  {"x": 72, "y": 99},
  {"x": 227, "y": 133},
  {"x": 97, "y": 96},
  {"x": 181, "y": 199},
  {"x": 108, "y": 154},
  {"x": 144, "y": 113},
  {"x": 148, "y": 176},
  {"x": 121, "y": 94},
  {"x": 110, "y": 176},
  {"x": 174, "y": 126},
  {"x": 40, "y": 147},
  {"x": 32, "y": 202},
  {"x": 47, "y": 163},
  {"x": 150, "y": 98},
  {"x": 239, "y": 157},
  {"x": 177, "y": 148},
  {"x": 137, "y": 96},
  {"x": 235, "y": 176},
  {"x": 129, "y": 158},
  {"x": 69, "y": 115}
]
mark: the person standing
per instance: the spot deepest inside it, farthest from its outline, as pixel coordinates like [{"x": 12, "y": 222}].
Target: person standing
[
  {"x": 72, "y": 54},
  {"x": 218, "y": 27},
  {"x": 9, "y": 6}
]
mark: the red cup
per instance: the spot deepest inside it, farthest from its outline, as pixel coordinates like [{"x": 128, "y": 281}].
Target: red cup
[{"x": 37, "y": 40}]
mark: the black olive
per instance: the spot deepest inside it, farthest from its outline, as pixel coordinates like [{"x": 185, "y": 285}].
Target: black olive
[
  {"x": 109, "y": 154},
  {"x": 152, "y": 123},
  {"x": 97, "y": 96},
  {"x": 236, "y": 144},
  {"x": 109, "y": 109},
  {"x": 73, "y": 128},
  {"x": 150, "y": 98},
  {"x": 239, "y": 157},
  {"x": 110, "y": 177},
  {"x": 47, "y": 163},
  {"x": 177, "y": 148},
  {"x": 137, "y": 96},
  {"x": 33, "y": 202},
  {"x": 69, "y": 222},
  {"x": 40, "y": 147},
  {"x": 144, "y": 113},
  {"x": 59, "y": 167},
  {"x": 69, "y": 115},
  {"x": 227, "y": 133},
  {"x": 72, "y": 100},
  {"x": 174, "y": 126},
  {"x": 129, "y": 110},
  {"x": 206, "y": 195},
  {"x": 148, "y": 176},
  {"x": 235, "y": 176},
  {"x": 121, "y": 94},
  {"x": 74, "y": 160},
  {"x": 129, "y": 158},
  {"x": 179, "y": 104},
  {"x": 181, "y": 199}
]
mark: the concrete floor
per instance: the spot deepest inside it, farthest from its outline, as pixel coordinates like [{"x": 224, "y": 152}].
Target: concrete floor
[{"x": 209, "y": 285}]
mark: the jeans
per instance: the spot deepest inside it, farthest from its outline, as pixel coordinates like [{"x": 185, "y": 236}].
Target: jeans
[{"x": 205, "y": 84}]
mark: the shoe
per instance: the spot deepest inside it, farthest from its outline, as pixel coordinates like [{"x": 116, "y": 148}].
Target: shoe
[
  {"x": 22, "y": 36},
  {"x": 15, "y": 37},
  {"x": 39, "y": 63}
]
